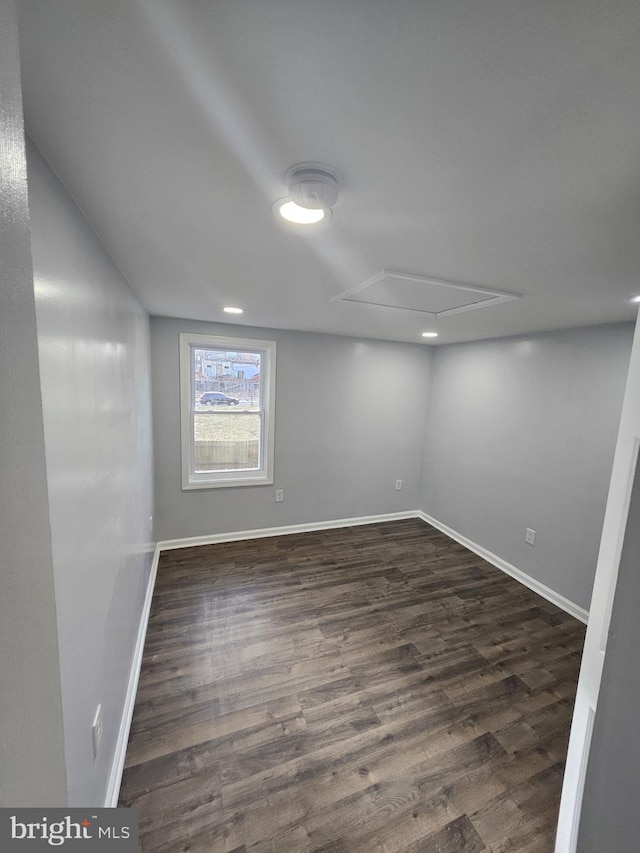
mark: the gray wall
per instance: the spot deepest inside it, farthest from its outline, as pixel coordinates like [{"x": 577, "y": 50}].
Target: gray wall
[
  {"x": 32, "y": 769},
  {"x": 610, "y": 806},
  {"x": 350, "y": 420},
  {"x": 521, "y": 433},
  {"x": 93, "y": 343}
]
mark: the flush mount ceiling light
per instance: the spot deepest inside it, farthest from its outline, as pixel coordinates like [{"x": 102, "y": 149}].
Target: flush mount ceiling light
[
  {"x": 313, "y": 190},
  {"x": 314, "y": 186},
  {"x": 429, "y": 334},
  {"x": 292, "y": 212},
  {"x": 231, "y": 310},
  {"x": 634, "y": 298}
]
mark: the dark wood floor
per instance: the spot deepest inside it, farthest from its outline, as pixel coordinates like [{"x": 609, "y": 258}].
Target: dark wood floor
[{"x": 360, "y": 690}]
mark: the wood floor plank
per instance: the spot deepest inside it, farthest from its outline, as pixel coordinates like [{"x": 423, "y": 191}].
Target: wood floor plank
[
  {"x": 373, "y": 689},
  {"x": 458, "y": 835}
]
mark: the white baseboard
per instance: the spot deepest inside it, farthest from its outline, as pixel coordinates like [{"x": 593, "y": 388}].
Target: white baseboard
[
  {"x": 117, "y": 766},
  {"x": 525, "y": 579},
  {"x": 261, "y": 533}
]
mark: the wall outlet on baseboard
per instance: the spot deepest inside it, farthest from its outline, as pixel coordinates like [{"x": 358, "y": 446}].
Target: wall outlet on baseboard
[
  {"x": 96, "y": 731},
  {"x": 530, "y": 536},
  {"x": 398, "y": 485},
  {"x": 279, "y": 495}
]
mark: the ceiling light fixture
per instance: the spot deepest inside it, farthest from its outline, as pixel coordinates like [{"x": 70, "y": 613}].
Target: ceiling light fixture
[
  {"x": 313, "y": 185},
  {"x": 292, "y": 212},
  {"x": 231, "y": 310},
  {"x": 634, "y": 298},
  {"x": 429, "y": 334},
  {"x": 313, "y": 190}
]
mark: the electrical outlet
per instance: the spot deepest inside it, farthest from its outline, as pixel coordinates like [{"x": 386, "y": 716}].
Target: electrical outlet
[
  {"x": 530, "y": 536},
  {"x": 96, "y": 731},
  {"x": 398, "y": 485},
  {"x": 279, "y": 495}
]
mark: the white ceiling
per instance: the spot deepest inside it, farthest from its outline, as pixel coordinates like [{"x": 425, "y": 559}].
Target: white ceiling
[{"x": 489, "y": 142}]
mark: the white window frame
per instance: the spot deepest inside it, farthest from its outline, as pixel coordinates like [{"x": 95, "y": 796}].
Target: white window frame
[{"x": 263, "y": 475}]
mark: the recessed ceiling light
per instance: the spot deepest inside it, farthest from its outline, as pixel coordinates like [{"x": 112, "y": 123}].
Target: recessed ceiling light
[
  {"x": 429, "y": 334},
  {"x": 292, "y": 212},
  {"x": 231, "y": 310},
  {"x": 634, "y": 299}
]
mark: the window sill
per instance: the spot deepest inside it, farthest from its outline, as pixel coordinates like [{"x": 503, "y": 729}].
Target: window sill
[{"x": 228, "y": 482}]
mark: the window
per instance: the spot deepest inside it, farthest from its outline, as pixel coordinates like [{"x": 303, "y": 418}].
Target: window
[{"x": 227, "y": 388}]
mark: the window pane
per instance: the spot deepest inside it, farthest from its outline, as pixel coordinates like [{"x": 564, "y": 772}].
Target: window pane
[
  {"x": 226, "y": 441},
  {"x": 226, "y": 378},
  {"x": 227, "y": 394}
]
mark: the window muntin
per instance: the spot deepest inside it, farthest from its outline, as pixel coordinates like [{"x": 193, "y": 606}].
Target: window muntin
[{"x": 228, "y": 396}]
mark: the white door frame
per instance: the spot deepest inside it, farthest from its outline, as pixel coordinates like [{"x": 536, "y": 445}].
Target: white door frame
[{"x": 604, "y": 587}]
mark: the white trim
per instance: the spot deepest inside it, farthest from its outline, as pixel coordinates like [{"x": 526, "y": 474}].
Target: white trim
[
  {"x": 533, "y": 584},
  {"x": 616, "y": 519},
  {"x": 582, "y": 778},
  {"x": 632, "y": 473},
  {"x": 498, "y": 562},
  {"x": 261, "y": 533},
  {"x": 117, "y": 766}
]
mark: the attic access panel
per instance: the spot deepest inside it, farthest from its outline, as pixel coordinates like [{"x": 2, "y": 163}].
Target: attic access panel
[{"x": 406, "y": 292}]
